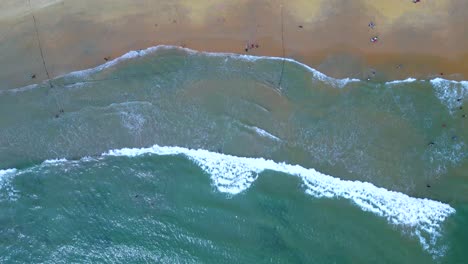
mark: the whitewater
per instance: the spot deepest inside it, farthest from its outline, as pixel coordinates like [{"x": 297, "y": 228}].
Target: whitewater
[
  {"x": 233, "y": 175},
  {"x": 422, "y": 218}
]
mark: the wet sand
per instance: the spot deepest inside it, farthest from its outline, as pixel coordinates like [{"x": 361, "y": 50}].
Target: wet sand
[{"x": 426, "y": 39}]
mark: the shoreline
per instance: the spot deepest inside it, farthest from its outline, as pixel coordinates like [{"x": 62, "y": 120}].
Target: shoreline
[
  {"x": 74, "y": 36},
  {"x": 132, "y": 54}
]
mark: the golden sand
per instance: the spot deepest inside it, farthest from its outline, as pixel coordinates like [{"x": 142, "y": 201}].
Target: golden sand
[{"x": 427, "y": 38}]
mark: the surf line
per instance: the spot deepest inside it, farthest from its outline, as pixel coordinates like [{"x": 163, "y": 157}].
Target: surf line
[
  {"x": 233, "y": 175},
  {"x": 422, "y": 217}
]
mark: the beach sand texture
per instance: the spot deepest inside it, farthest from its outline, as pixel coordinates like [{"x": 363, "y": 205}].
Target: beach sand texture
[{"x": 427, "y": 39}]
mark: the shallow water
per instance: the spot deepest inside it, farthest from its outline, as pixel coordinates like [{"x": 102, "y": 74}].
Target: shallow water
[{"x": 408, "y": 137}]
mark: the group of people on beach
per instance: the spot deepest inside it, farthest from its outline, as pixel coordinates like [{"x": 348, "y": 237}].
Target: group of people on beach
[{"x": 250, "y": 46}]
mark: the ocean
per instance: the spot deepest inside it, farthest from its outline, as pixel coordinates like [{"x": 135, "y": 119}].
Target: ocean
[{"x": 169, "y": 155}]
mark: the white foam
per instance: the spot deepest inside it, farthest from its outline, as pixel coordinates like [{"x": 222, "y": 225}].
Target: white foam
[
  {"x": 54, "y": 161},
  {"x": 450, "y": 92},
  {"x": 5, "y": 186},
  {"x": 233, "y": 175},
  {"x": 6, "y": 172},
  {"x": 408, "y": 80},
  {"x": 262, "y": 133},
  {"x": 441, "y": 80}
]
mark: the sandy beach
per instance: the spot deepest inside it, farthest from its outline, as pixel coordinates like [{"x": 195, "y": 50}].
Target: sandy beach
[{"x": 42, "y": 39}]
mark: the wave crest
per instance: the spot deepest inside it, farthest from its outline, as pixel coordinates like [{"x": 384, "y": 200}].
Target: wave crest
[{"x": 231, "y": 174}]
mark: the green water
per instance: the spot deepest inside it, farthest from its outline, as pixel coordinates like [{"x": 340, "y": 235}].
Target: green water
[{"x": 166, "y": 209}]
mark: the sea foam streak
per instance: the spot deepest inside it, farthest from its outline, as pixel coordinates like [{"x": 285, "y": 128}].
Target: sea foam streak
[
  {"x": 233, "y": 175},
  {"x": 262, "y": 132},
  {"x": 408, "y": 80}
]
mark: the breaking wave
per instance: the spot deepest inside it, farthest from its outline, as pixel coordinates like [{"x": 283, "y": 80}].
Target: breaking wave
[
  {"x": 231, "y": 174},
  {"x": 450, "y": 93}
]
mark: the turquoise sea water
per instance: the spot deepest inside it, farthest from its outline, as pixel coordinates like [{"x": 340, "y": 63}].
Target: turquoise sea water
[{"x": 174, "y": 156}]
